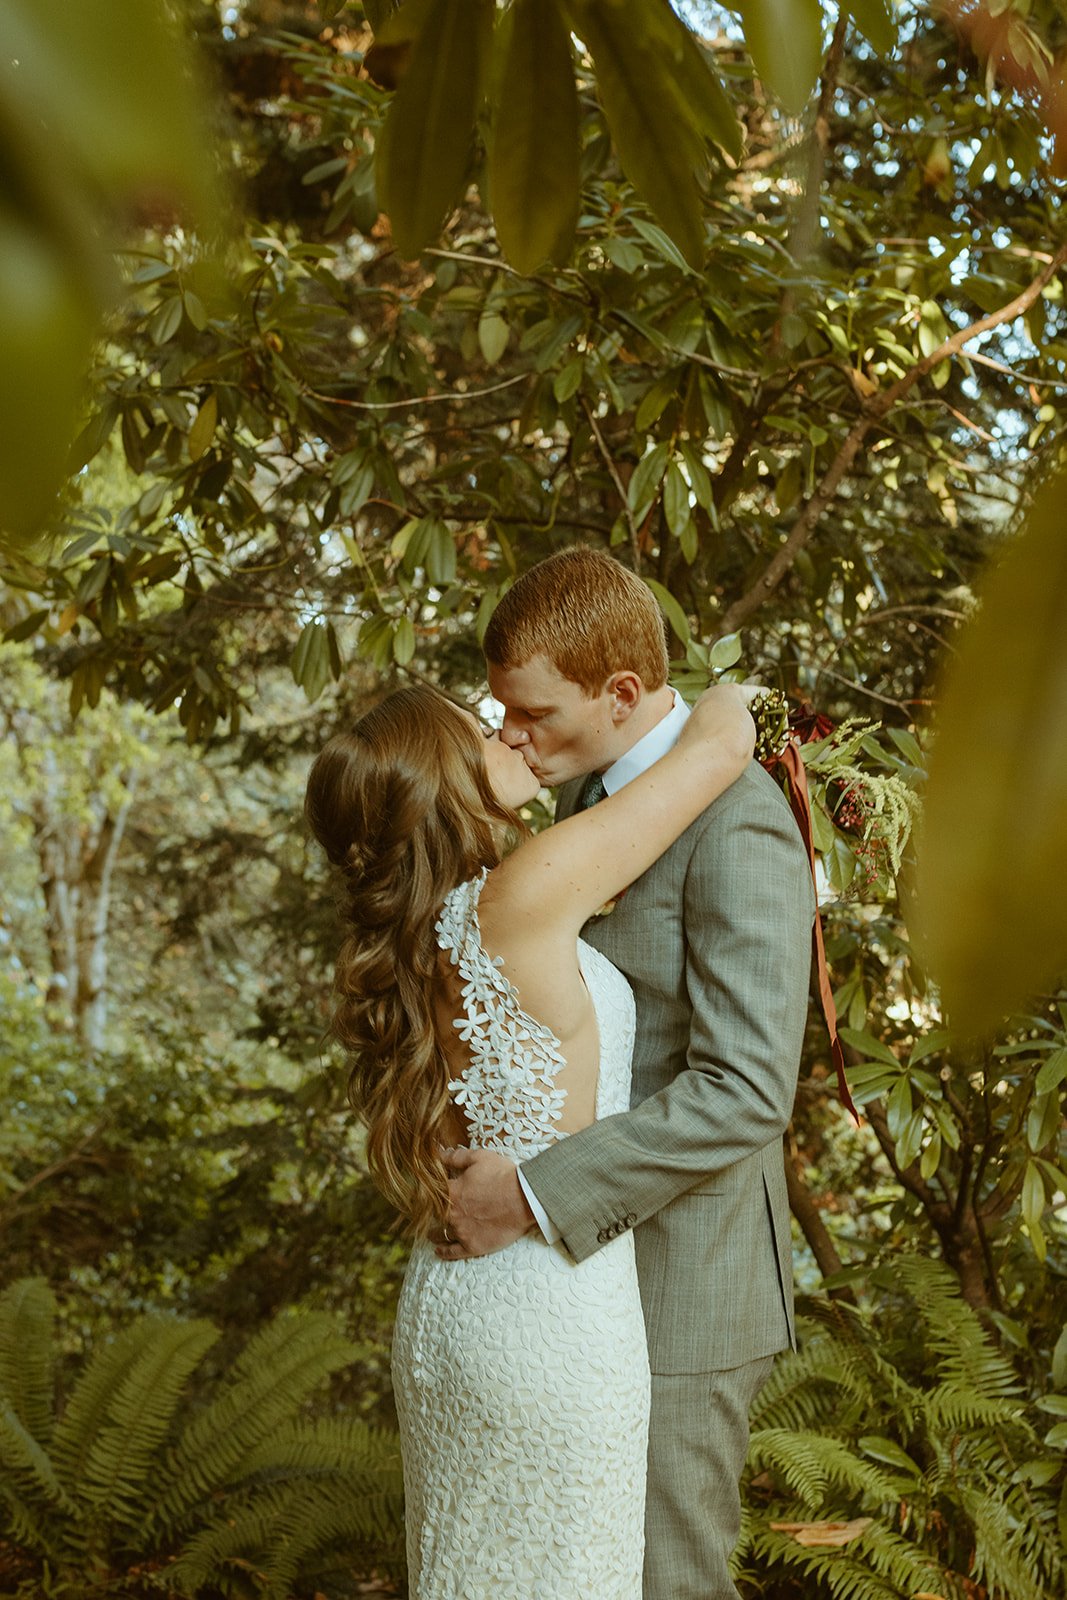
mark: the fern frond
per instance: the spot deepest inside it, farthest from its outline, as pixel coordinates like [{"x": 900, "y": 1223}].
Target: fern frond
[
  {"x": 138, "y": 1416},
  {"x": 879, "y": 1565},
  {"x": 277, "y": 1371},
  {"x": 27, "y": 1316},
  {"x": 810, "y": 1464},
  {"x": 953, "y": 1405},
  {"x": 27, "y": 1463},
  {"x": 327, "y": 1446},
  {"x": 260, "y": 1527}
]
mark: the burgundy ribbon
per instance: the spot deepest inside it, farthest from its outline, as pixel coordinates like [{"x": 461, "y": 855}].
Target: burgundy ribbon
[{"x": 792, "y": 763}]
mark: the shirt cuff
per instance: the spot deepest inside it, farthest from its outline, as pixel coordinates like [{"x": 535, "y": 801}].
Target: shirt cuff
[{"x": 541, "y": 1217}]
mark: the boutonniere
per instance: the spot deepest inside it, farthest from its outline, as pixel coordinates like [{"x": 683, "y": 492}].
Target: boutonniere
[{"x": 609, "y": 905}]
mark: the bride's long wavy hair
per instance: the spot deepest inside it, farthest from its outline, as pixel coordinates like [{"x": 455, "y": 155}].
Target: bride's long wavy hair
[{"x": 403, "y": 808}]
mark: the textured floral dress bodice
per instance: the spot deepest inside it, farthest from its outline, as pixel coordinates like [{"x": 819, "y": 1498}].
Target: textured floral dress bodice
[{"x": 521, "y": 1378}]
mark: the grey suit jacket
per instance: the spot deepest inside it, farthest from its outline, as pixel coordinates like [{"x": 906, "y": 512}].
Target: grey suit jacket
[{"x": 716, "y": 941}]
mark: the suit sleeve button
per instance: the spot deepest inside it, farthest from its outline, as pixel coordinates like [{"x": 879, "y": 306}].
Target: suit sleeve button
[{"x": 631, "y": 1219}]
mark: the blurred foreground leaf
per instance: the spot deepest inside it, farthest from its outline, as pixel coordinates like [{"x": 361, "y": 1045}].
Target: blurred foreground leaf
[
  {"x": 991, "y": 884},
  {"x": 100, "y": 124}
]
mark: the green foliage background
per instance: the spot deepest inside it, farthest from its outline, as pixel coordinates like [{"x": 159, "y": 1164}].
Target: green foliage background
[{"x": 307, "y": 467}]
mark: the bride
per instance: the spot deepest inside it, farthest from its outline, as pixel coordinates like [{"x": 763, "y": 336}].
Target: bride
[{"x": 476, "y": 1015}]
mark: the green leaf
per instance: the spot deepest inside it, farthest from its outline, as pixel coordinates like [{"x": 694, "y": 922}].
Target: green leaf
[
  {"x": 203, "y": 429},
  {"x": 875, "y": 21},
  {"x": 569, "y": 379},
  {"x": 694, "y": 79},
  {"x": 929, "y": 1044},
  {"x": 910, "y": 1141},
  {"x": 493, "y": 335},
  {"x": 1052, "y": 1072},
  {"x": 118, "y": 91},
  {"x": 1059, "y": 1360},
  {"x": 931, "y": 1157},
  {"x": 25, "y": 628},
  {"x": 46, "y": 330},
  {"x": 310, "y": 662},
  {"x": 1057, "y": 1436},
  {"x": 699, "y": 477},
  {"x": 660, "y": 242},
  {"x": 425, "y": 144},
  {"x": 671, "y": 609},
  {"x": 784, "y": 38},
  {"x": 879, "y": 1448},
  {"x": 533, "y": 156},
  {"x": 933, "y": 329},
  {"x": 637, "y": 91},
  {"x": 725, "y": 652},
  {"x": 899, "y": 1108},
  {"x": 1033, "y": 1195},
  {"x": 403, "y": 641},
  {"x": 870, "y": 1048},
  {"x": 676, "y": 500},
  {"x": 624, "y": 255},
  {"x": 440, "y": 559},
  {"x": 646, "y": 479},
  {"x": 1043, "y": 1121},
  {"x": 166, "y": 321},
  {"x": 993, "y": 918}
]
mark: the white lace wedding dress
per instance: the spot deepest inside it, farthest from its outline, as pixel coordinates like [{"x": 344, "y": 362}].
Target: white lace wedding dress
[{"x": 521, "y": 1378}]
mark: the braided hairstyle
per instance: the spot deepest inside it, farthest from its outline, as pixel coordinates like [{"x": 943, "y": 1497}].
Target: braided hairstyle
[{"x": 403, "y": 808}]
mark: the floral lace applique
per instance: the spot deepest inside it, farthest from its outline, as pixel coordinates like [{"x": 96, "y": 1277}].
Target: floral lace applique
[{"x": 507, "y": 1092}]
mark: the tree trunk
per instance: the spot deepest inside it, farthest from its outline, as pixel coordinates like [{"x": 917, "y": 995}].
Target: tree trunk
[{"x": 90, "y": 1004}]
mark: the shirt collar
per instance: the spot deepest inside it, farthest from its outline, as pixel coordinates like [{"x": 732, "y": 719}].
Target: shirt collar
[{"x": 655, "y": 743}]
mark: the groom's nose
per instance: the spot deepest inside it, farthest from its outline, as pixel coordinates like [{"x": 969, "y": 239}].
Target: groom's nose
[{"x": 513, "y": 733}]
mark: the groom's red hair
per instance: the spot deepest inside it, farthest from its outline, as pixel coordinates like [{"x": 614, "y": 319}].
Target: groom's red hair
[{"x": 588, "y": 614}]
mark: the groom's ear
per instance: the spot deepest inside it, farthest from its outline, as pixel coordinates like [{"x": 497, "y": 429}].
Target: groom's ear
[{"x": 626, "y": 690}]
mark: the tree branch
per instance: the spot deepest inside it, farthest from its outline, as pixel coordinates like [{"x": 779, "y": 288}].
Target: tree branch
[
  {"x": 875, "y": 409},
  {"x": 810, "y": 1221},
  {"x": 609, "y": 462}
]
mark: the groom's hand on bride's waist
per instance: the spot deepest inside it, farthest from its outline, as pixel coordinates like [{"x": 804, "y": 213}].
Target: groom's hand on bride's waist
[{"x": 488, "y": 1210}]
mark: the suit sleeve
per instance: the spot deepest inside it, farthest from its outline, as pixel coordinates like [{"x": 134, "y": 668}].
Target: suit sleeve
[{"x": 748, "y": 909}]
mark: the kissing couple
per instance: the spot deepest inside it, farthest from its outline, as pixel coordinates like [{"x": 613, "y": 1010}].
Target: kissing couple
[{"x": 575, "y": 1059}]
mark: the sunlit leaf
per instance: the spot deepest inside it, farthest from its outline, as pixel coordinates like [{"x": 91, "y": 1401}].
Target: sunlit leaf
[
  {"x": 46, "y": 331},
  {"x": 635, "y": 87},
  {"x": 991, "y": 904},
  {"x": 785, "y": 40},
  {"x": 425, "y": 146},
  {"x": 533, "y": 156},
  {"x": 671, "y": 609},
  {"x": 875, "y": 21},
  {"x": 203, "y": 429}
]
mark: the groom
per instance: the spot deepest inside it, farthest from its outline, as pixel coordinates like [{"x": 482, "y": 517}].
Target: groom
[{"x": 715, "y": 940}]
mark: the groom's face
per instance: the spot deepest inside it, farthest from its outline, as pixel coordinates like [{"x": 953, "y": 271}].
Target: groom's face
[{"x": 561, "y": 731}]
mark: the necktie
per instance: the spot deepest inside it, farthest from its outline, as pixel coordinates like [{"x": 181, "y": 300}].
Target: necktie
[{"x": 593, "y": 792}]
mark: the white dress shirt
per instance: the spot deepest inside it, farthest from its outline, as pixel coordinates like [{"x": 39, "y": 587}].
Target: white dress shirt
[{"x": 648, "y": 749}]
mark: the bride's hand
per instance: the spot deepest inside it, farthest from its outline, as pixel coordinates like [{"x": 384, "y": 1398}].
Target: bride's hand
[{"x": 721, "y": 715}]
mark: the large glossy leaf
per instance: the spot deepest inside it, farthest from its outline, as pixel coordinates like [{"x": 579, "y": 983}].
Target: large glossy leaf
[
  {"x": 785, "y": 41},
  {"x": 46, "y": 332},
  {"x": 875, "y": 21},
  {"x": 426, "y": 141},
  {"x": 533, "y": 160},
  {"x": 695, "y": 80},
  {"x": 639, "y": 95},
  {"x": 991, "y": 875},
  {"x": 101, "y": 116},
  {"x": 116, "y": 89}
]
